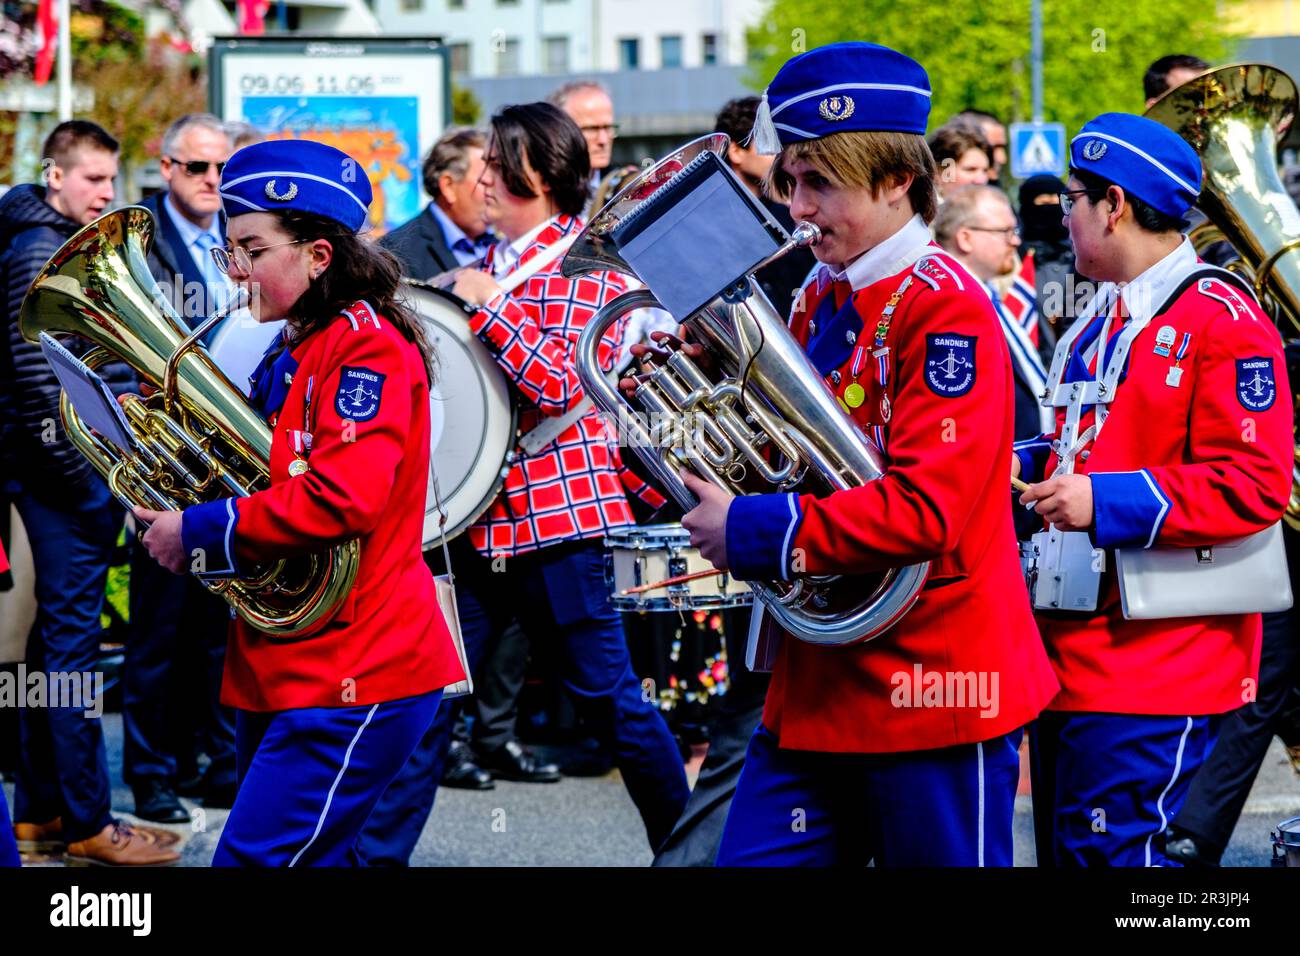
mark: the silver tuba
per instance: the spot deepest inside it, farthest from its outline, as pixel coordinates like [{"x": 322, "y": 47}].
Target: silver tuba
[{"x": 761, "y": 419}]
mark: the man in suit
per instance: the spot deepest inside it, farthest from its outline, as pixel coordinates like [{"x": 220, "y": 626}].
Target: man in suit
[
  {"x": 590, "y": 106},
  {"x": 178, "y": 628},
  {"x": 452, "y": 231}
]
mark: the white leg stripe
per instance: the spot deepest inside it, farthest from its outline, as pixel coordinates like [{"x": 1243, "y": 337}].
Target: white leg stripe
[
  {"x": 979, "y": 829},
  {"x": 347, "y": 757},
  {"x": 1160, "y": 801}
]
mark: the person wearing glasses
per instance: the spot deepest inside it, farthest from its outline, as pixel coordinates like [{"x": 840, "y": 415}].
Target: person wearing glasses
[
  {"x": 171, "y": 679},
  {"x": 1174, "y": 431},
  {"x": 590, "y": 106},
  {"x": 324, "y": 723}
]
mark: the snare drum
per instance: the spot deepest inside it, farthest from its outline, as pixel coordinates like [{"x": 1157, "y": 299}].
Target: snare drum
[
  {"x": 657, "y": 552},
  {"x": 1286, "y": 843}
]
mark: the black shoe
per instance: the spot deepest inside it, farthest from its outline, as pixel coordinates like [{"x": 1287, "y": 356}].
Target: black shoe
[
  {"x": 462, "y": 772},
  {"x": 189, "y": 786},
  {"x": 513, "y": 762},
  {"x": 155, "y": 800},
  {"x": 1188, "y": 850}
]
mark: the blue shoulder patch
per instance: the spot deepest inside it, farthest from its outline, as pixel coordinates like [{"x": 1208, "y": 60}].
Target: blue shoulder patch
[
  {"x": 1256, "y": 383},
  {"x": 360, "y": 391},
  {"x": 950, "y": 363}
]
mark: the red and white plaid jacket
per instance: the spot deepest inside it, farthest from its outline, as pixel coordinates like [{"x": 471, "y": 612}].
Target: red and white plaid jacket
[{"x": 575, "y": 487}]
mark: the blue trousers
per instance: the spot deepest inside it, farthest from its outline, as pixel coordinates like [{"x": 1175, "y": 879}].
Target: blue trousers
[
  {"x": 309, "y": 778},
  {"x": 8, "y": 845},
  {"x": 947, "y": 807},
  {"x": 171, "y": 681},
  {"x": 557, "y": 594},
  {"x": 1107, "y": 785},
  {"x": 63, "y": 767}
]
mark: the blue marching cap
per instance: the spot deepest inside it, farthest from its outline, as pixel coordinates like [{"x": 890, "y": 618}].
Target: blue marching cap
[
  {"x": 297, "y": 174},
  {"x": 840, "y": 88},
  {"x": 1143, "y": 157}
]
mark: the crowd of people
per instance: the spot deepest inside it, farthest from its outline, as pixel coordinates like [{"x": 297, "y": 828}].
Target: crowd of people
[{"x": 935, "y": 308}]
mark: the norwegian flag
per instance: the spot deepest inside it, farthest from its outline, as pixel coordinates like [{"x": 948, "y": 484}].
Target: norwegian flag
[
  {"x": 252, "y": 16},
  {"x": 48, "y": 21},
  {"x": 1021, "y": 301}
]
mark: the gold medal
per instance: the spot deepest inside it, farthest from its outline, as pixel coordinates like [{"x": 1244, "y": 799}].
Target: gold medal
[
  {"x": 854, "y": 395},
  {"x": 298, "y": 467}
]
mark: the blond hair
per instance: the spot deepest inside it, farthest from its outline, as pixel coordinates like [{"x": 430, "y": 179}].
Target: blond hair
[{"x": 865, "y": 160}]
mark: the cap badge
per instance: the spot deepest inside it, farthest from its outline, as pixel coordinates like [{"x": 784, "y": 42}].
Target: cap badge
[
  {"x": 836, "y": 108},
  {"x": 280, "y": 197},
  {"x": 1094, "y": 150}
]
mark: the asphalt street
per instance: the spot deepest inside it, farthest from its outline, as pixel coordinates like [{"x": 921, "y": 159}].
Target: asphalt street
[{"x": 592, "y": 822}]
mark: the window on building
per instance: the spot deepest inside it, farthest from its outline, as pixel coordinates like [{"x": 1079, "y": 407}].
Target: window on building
[
  {"x": 507, "y": 52},
  {"x": 412, "y": 6},
  {"x": 507, "y": 3},
  {"x": 709, "y": 49},
  {"x": 556, "y": 52},
  {"x": 455, "y": 4},
  {"x": 629, "y": 53},
  {"x": 670, "y": 52},
  {"x": 459, "y": 58}
]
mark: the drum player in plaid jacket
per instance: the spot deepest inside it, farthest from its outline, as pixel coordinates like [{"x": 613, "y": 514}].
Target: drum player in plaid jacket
[{"x": 537, "y": 554}]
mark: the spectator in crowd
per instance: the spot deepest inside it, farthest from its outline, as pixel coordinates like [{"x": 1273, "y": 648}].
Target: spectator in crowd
[
  {"x": 171, "y": 680},
  {"x": 590, "y": 106},
  {"x": 243, "y": 134},
  {"x": 1170, "y": 71},
  {"x": 453, "y": 230},
  {"x": 783, "y": 279},
  {"x": 62, "y": 793},
  {"x": 996, "y": 133},
  {"x": 962, "y": 154},
  {"x": 1058, "y": 292}
]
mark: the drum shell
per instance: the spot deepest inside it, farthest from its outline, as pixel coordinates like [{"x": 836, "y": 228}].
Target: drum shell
[
  {"x": 1287, "y": 841},
  {"x": 653, "y": 553}
]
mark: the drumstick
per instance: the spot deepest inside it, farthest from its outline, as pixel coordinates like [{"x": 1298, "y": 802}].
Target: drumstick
[
  {"x": 680, "y": 579},
  {"x": 538, "y": 262},
  {"x": 1019, "y": 485}
]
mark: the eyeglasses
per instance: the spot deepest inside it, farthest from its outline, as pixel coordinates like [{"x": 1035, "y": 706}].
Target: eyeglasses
[
  {"x": 241, "y": 259},
  {"x": 610, "y": 128},
  {"x": 1009, "y": 233},
  {"x": 1067, "y": 198},
  {"x": 197, "y": 167}
]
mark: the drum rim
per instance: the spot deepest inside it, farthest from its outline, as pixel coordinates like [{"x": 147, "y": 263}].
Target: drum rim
[{"x": 415, "y": 289}]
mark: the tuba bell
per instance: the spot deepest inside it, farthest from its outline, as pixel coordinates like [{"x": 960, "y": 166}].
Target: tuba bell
[
  {"x": 197, "y": 438},
  {"x": 762, "y": 421},
  {"x": 1234, "y": 117}
]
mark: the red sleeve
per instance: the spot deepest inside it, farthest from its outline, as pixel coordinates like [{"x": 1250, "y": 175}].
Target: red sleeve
[
  {"x": 941, "y": 454},
  {"x": 353, "y": 463}
]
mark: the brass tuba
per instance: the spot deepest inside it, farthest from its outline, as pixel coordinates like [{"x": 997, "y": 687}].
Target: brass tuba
[
  {"x": 1234, "y": 117},
  {"x": 197, "y": 438},
  {"x": 764, "y": 421}
]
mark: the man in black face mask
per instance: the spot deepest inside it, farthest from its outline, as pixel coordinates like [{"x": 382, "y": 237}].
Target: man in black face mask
[{"x": 1043, "y": 234}]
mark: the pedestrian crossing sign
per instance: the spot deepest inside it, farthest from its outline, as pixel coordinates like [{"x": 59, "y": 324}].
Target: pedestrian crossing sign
[{"x": 1037, "y": 148}]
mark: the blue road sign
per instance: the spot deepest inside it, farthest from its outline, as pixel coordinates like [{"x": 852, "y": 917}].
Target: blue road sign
[{"x": 1037, "y": 148}]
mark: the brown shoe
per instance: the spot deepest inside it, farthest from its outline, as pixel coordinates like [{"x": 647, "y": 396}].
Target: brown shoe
[
  {"x": 40, "y": 838},
  {"x": 120, "y": 844},
  {"x": 165, "y": 838}
]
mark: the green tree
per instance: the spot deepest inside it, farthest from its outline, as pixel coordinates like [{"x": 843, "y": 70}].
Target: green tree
[
  {"x": 465, "y": 107},
  {"x": 977, "y": 52}
]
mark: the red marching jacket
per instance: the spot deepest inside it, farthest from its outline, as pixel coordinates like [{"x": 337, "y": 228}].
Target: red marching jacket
[
  {"x": 965, "y": 664},
  {"x": 356, "y": 410},
  {"x": 575, "y": 487},
  {"x": 1183, "y": 459}
]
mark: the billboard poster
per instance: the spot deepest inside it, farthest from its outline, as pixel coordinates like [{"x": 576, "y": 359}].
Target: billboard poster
[{"x": 382, "y": 101}]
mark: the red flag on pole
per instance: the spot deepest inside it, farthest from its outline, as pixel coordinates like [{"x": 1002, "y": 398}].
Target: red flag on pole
[
  {"x": 48, "y": 22},
  {"x": 252, "y": 16}
]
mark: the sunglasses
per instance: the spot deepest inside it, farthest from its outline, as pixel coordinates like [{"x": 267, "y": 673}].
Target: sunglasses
[{"x": 197, "y": 167}]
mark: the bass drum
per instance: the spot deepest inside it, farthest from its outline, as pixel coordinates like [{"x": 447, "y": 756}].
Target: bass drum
[
  {"x": 238, "y": 344},
  {"x": 472, "y": 415}
]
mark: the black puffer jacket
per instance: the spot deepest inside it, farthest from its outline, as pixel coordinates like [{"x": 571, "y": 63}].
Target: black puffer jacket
[{"x": 31, "y": 231}]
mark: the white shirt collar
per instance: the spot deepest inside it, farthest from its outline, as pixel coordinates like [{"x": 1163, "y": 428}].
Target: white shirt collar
[
  {"x": 1147, "y": 293},
  {"x": 189, "y": 231},
  {"x": 888, "y": 258},
  {"x": 508, "y": 253}
]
